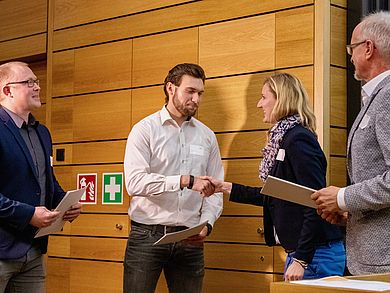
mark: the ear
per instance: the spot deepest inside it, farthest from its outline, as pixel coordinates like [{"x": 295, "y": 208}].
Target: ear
[
  {"x": 370, "y": 47},
  {"x": 171, "y": 89},
  {"x": 6, "y": 90}
]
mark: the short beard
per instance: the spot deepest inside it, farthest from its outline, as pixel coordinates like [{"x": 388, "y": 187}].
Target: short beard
[{"x": 181, "y": 108}]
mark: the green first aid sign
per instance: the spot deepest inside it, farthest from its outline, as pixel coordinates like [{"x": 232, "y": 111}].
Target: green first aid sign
[{"x": 112, "y": 188}]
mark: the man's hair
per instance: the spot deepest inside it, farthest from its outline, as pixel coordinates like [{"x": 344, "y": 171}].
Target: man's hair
[
  {"x": 176, "y": 74},
  {"x": 291, "y": 98},
  {"x": 376, "y": 27},
  {"x": 7, "y": 73}
]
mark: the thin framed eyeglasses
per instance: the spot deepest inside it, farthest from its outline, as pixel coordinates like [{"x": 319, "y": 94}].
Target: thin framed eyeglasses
[
  {"x": 29, "y": 82},
  {"x": 350, "y": 47}
]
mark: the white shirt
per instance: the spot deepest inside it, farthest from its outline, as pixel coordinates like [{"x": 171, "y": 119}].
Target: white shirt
[
  {"x": 367, "y": 91},
  {"x": 158, "y": 152}
]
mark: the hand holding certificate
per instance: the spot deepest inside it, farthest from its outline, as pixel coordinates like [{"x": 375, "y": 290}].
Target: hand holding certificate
[
  {"x": 181, "y": 235},
  {"x": 71, "y": 198},
  {"x": 289, "y": 191}
]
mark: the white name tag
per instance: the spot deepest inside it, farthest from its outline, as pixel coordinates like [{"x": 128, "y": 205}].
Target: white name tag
[
  {"x": 196, "y": 150},
  {"x": 51, "y": 161},
  {"x": 364, "y": 121},
  {"x": 281, "y": 154}
]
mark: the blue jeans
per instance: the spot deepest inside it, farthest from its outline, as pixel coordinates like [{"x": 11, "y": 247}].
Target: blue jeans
[
  {"x": 25, "y": 274},
  {"x": 328, "y": 260},
  {"x": 182, "y": 263}
]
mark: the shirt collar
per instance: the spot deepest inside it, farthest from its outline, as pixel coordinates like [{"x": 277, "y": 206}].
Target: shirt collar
[
  {"x": 165, "y": 116},
  {"x": 370, "y": 86},
  {"x": 19, "y": 122}
]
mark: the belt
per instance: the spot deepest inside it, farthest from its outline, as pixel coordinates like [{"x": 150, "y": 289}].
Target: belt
[{"x": 159, "y": 228}]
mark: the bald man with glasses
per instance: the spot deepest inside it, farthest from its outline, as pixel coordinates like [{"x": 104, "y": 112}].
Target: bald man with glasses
[
  {"x": 364, "y": 206},
  {"x": 28, "y": 188}
]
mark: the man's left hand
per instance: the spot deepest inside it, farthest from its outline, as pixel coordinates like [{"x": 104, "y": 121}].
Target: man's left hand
[
  {"x": 198, "y": 240},
  {"x": 326, "y": 200},
  {"x": 72, "y": 213},
  {"x": 294, "y": 272}
]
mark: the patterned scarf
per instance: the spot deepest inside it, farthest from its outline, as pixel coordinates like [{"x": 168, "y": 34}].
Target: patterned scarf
[{"x": 275, "y": 136}]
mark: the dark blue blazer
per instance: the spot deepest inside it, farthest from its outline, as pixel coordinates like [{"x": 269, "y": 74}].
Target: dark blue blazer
[
  {"x": 19, "y": 189},
  {"x": 299, "y": 228}
]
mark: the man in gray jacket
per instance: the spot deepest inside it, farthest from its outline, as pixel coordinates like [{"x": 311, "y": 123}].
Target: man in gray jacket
[{"x": 365, "y": 204}]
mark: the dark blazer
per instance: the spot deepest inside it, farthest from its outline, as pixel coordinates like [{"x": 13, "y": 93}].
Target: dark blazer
[
  {"x": 19, "y": 189},
  {"x": 299, "y": 228}
]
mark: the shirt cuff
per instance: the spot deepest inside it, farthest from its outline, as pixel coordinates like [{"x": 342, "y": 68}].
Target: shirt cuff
[
  {"x": 341, "y": 199},
  {"x": 172, "y": 183}
]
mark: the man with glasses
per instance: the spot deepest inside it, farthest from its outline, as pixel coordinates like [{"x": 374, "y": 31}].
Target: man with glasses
[
  {"x": 28, "y": 187},
  {"x": 365, "y": 204}
]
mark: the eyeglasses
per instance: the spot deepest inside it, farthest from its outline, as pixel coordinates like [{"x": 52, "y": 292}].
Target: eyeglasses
[
  {"x": 350, "y": 47},
  {"x": 29, "y": 82}
]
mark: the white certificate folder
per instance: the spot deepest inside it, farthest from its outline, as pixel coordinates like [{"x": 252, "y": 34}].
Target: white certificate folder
[
  {"x": 289, "y": 191},
  {"x": 71, "y": 197},
  {"x": 180, "y": 235}
]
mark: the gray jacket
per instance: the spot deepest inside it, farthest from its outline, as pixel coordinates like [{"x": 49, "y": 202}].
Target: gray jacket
[{"x": 368, "y": 198}]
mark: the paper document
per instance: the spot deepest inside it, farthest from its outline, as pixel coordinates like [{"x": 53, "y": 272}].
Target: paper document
[
  {"x": 340, "y": 282},
  {"x": 71, "y": 197},
  {"x": 289, "y": 191},
  {"x": 180, "y": 235}
]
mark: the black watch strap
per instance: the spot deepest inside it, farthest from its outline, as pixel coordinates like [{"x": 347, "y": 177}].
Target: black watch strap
[
  {"x": 209, "y": 229},
  {"x": 191, "y": 183}
]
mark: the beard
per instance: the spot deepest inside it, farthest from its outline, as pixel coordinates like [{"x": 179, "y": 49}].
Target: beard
[{"x": 182, "y": 108}]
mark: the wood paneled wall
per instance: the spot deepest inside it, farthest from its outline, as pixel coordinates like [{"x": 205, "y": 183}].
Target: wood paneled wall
[{"x": 103, "y": 69}]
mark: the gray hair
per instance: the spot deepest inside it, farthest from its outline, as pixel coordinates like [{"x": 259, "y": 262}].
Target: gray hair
[{"x": 376, "y": 27}]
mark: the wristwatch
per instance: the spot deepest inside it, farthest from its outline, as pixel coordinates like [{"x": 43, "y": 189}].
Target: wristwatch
[{"x": 209, "y": 229}]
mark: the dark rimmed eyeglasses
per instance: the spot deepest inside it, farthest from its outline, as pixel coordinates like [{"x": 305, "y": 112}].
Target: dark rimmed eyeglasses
[
  {"x": 350, "y": 47},
  {"x": 29, "y": 82}
]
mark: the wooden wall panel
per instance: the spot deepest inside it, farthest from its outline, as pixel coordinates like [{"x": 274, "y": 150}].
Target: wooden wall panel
[
  {"x": 230, "y": 103},
  {"x": 239, "y": 209},
  {"x": 153, "y": 56},
  {"x": 239, "y": 257},
  {"x": 63, "y": 73},
  {"x": 23, "y": 47},
  {"x": 183, "y": 16},
  {"x": 239, "y": 230},
  {"x": 67, "y": 176},
  {"x": 338, "y": 55},
  {"x": 74, "y": 12},
  {"x": 338, "y": 142},
  {"x": 241, "y": 144},
  {"x": 239, "y": 46},
  {"x": 295, "y": 35},
  {"x": 146, "y": 101},
  {"x": 243, "y": 171},
  {"x": 58, "y": 275},
  {"x": 94, "y": 276},
  {"x": 338, "y": 171},
  {"x": 99, "y": 116},
  {"x": 100, "y": 225},
  {"x": 80, "y": 247},
  {"x": 103, "y": 67},
  {"x": 338, "y": 97},
  {"x": 342, "y": 3},
  {"x": 230, "y": 281},
  {"x": 40, "y": 114},
  {"x": 22, "y": 18},
  {"x": 92, "y": 152}
]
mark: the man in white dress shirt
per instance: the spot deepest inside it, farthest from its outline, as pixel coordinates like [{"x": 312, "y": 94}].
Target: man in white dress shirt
[
  {"x": 367, "y": 200},
  {"x": 166, "y": 153}
]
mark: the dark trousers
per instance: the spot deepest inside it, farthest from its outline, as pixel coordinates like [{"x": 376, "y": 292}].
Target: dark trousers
[{"x": 182, "y": 263}]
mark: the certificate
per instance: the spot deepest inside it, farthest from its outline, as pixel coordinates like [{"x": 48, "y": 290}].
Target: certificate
[
  {"x": 180, "y": 235},
  {"x": 289, "y": 191},
  {"x": 71, "y": 198}
]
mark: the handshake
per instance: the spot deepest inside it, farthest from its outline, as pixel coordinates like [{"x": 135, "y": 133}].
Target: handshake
[{"x": 205, "y": 185}]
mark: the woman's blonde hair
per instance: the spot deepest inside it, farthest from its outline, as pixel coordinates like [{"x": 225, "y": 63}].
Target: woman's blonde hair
[{"x": 291, "y": 99}]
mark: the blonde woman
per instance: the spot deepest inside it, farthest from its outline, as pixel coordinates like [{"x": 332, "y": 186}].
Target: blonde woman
[{"x": 315, "y": 248}]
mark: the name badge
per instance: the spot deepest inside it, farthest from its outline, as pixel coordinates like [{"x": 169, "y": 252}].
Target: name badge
[
  {"x": 364, "y": 121},
  {"x": 196, "y": 150},
  {"x": 51, "y": 161},
  {"x": 281, "y": 154}
]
